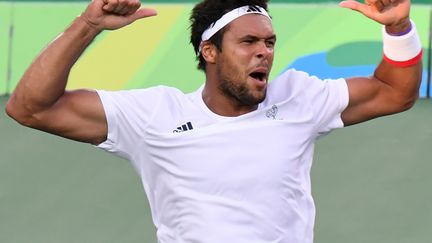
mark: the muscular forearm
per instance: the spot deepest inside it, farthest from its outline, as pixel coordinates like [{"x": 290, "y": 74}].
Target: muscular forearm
[
  {"x": 401, "y": 68},
  {"x": 40, "y": 100},
  {"x": 404, "y": 82},
  {"x": 394, "y": 85},
  {"x": 45, "y": 80}
]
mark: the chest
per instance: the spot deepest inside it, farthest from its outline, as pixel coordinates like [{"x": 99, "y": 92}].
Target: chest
[{"x": 230, "y": 156}]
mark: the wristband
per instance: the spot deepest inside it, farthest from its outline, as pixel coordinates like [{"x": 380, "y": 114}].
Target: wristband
[
  {"x": 402, "y": 51},
  {"x": 403, "y": 32}
]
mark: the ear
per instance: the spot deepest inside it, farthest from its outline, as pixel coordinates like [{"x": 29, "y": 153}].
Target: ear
[{"x": 209, "y": 52}]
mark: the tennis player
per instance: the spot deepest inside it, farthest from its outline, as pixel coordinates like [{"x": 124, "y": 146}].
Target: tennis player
[{"x": 231, "y": 161}]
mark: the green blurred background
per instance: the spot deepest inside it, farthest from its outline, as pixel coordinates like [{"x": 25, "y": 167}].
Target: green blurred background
[{"x": 371, "y": 182}]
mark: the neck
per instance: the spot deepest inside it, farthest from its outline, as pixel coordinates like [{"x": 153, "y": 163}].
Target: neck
[{"x": 221, "y": 104}]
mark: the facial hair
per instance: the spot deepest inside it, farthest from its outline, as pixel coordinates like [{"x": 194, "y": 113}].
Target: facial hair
[{"x": 240, "y": 93}]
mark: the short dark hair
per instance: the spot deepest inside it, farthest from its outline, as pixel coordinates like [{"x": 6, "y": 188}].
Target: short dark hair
[{"x": 209, "y": 11}]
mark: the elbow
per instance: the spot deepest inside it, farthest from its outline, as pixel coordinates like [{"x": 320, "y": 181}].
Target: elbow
[
  {"x": 10, "y": 109},
  {"x": 408, "y": 102},
  {"x": 18, "y": 113}
]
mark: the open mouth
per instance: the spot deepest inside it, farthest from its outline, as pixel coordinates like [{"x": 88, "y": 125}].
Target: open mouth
[{"x": 261, "y": 76}]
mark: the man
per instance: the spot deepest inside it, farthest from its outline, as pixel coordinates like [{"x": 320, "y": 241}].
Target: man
[{"x": 231, "y": 161}]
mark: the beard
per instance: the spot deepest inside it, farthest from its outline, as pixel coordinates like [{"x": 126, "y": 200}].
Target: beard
[{"x": 241, "y": 93}]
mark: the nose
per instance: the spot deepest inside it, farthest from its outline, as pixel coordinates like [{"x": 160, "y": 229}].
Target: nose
[{"x": 263, "y": 50}]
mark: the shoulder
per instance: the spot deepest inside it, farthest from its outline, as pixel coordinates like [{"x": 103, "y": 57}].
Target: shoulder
[
  {"x": 294, "y": 79},
  {"x": 290, "y": 84},
  {"x": 138, "y": 96},
  {"x": 294, "y": 83},
  {"x": 157, "y": 90}
]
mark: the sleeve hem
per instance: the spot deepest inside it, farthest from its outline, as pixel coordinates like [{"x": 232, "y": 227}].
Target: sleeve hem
[
  {"x": 108, "y": 144},
  {"x": 344, "y": 98}
]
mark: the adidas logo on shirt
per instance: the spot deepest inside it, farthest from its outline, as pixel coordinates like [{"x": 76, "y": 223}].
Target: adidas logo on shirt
[{"x": 183, "y": 128}]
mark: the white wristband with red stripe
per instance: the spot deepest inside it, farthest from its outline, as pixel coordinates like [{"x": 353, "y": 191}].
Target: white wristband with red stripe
[{"x": 402, "y": 51}]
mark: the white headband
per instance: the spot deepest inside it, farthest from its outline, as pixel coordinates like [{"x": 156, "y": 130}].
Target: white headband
[{"x": 229, "y": 17}]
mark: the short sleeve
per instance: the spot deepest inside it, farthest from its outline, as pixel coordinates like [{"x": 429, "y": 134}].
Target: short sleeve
[
  {"x": 326, "y": 99},
  {"x": 128, "y": 113},
  {"x": 329, "y": 99}
]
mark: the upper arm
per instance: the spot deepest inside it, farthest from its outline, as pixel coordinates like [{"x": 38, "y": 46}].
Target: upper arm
[
  {"x": 77, "y": 115},
  {"x": 368, "y": 98},
  {"x": 390, "y": 90}
]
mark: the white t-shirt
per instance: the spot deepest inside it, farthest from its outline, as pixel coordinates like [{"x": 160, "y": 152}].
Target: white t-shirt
[{"x": 215, "y": 179}]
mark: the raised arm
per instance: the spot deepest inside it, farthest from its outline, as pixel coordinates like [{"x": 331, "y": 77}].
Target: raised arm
[
  {"x": 40, "y": 100},
  {"x": 395, "y": 84}
]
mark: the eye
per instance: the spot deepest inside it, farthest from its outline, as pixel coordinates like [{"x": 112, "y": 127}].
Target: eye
[{"x": 270, "y": 43}]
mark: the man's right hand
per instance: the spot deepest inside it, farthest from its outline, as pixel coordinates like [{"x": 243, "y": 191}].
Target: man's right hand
[{"x": 114, "y": 14}]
